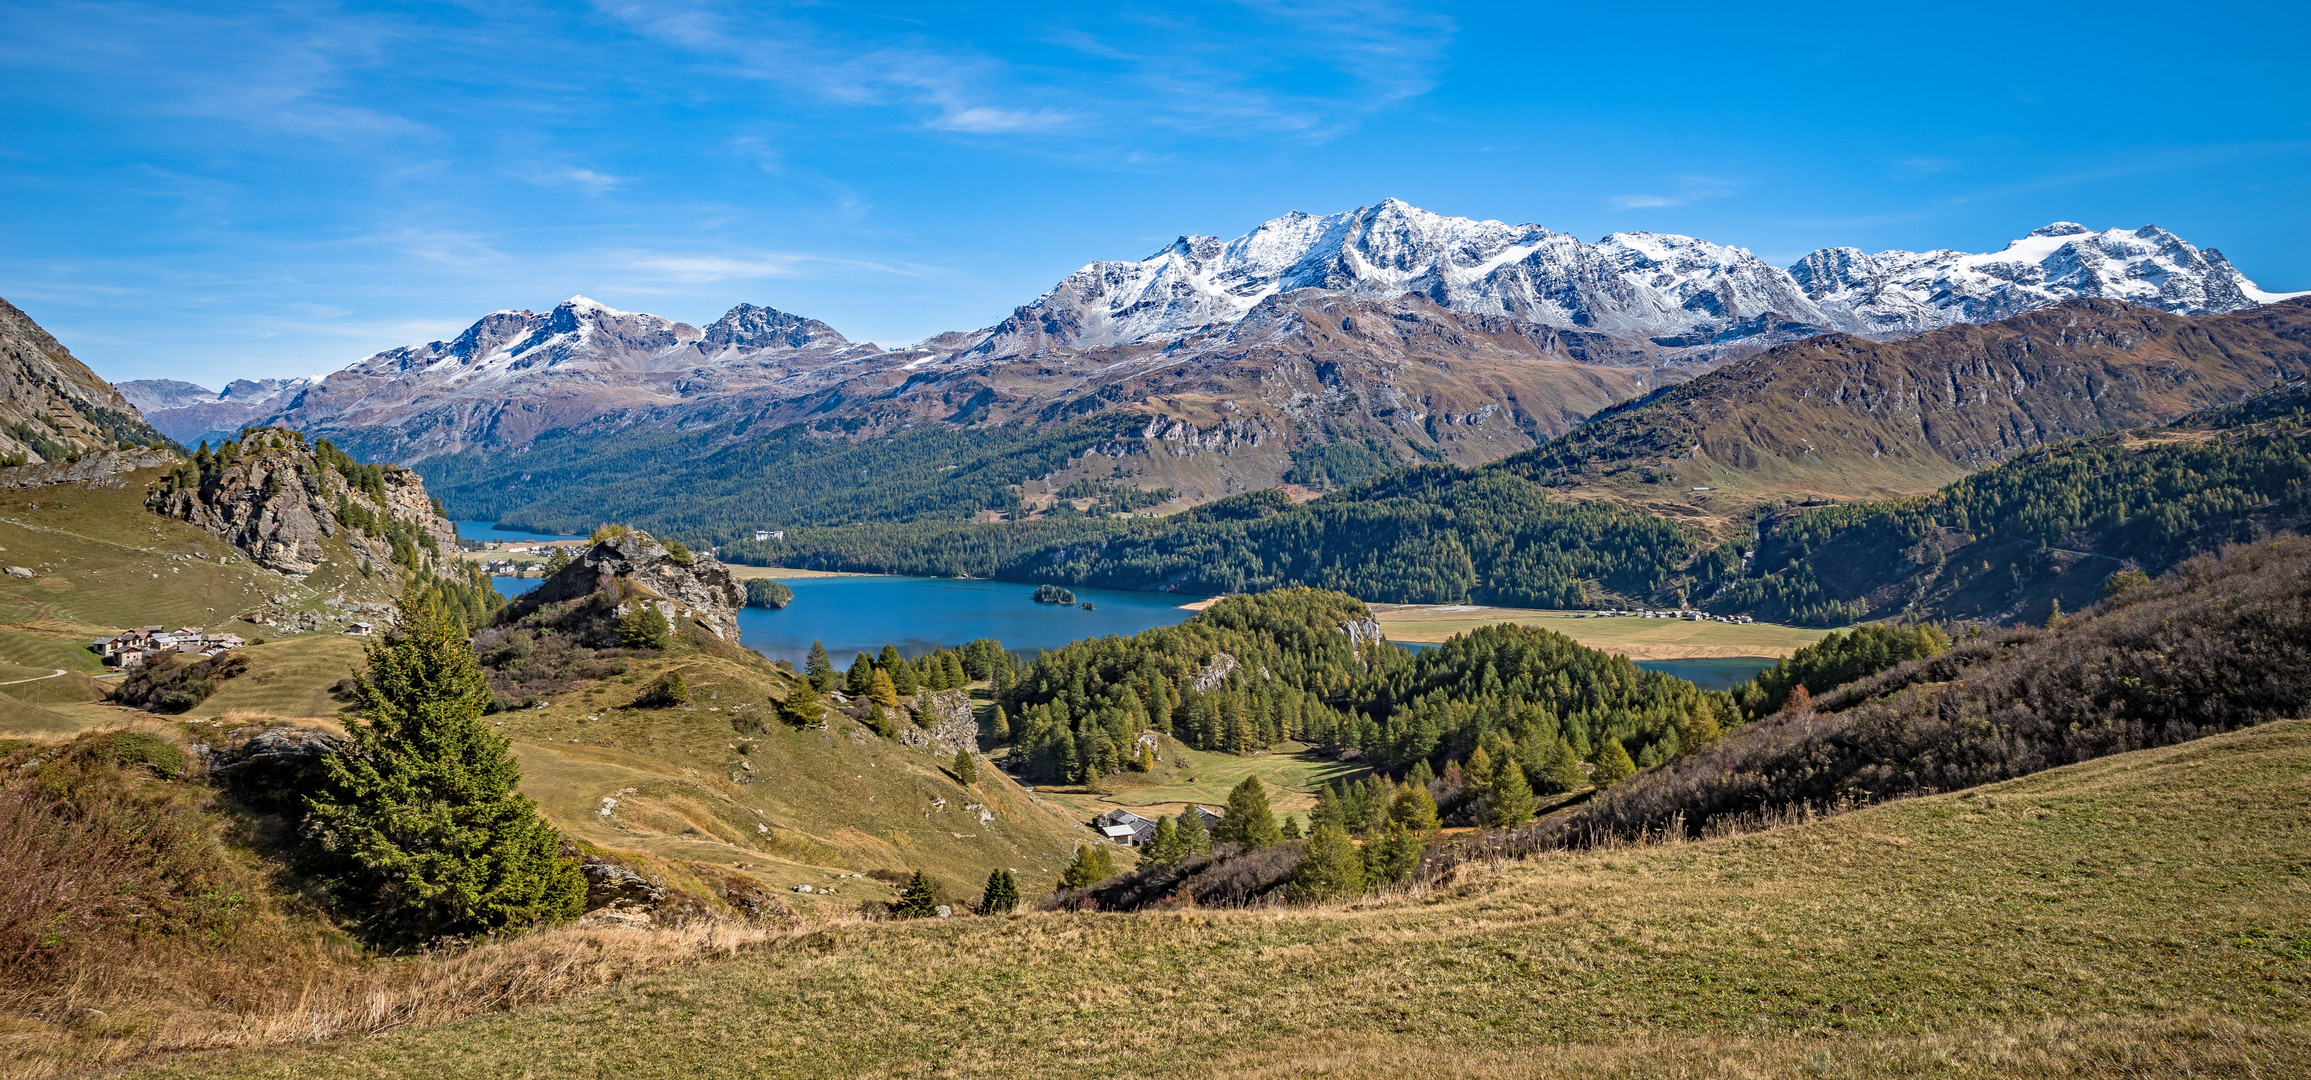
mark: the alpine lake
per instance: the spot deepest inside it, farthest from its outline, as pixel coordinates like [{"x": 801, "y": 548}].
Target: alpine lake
[{"x": 851, "y": 615}]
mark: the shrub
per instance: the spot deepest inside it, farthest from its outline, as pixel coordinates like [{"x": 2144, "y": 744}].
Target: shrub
[
  {"x": 665, "y": 692},
  {"x": 173, "y": 684},
  {"x": 918, "y": 900},
  {"x": 679, "y": 552},
  {"x": 645, "y": 627}
]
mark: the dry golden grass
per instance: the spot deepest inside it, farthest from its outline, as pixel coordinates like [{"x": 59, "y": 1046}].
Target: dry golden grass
[
  {"x": 2142, "y": 915},
  {"x": 1637, "y": 639},
  {"x": 285, "y": 988}
]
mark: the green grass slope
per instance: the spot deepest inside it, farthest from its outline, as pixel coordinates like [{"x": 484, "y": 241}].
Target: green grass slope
[{"x": 2139, "y": 915}]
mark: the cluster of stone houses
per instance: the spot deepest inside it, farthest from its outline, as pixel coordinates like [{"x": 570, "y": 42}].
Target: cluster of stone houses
[
  {"x": 145, "y": 644},
  {"x": 1131, "y": 830}
]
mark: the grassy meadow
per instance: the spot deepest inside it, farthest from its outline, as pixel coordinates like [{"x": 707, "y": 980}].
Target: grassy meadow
[
  {"x": 1638, "y": 639},
  {"x": 2143, "y": 915},
  {"x": 1185, "y": 775}
]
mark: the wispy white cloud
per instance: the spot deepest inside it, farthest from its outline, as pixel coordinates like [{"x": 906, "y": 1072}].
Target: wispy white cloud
[
  {"x": 1688, "y": 190},
  {"x": 586, "y": 180}
]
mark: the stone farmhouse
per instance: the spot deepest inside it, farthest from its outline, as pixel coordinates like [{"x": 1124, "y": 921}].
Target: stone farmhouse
[{"x": 145, "y": 644}]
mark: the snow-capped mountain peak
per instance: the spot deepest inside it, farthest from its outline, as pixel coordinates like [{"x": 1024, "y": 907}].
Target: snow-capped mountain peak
[{"x": 1675, "y": 290}]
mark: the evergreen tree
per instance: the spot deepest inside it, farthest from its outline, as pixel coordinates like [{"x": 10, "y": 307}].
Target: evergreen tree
[
  {"x": 1167, "y": 847},
  {"x": 819, "y": 667},
  {"x": 801, "y": 707},
  {"x": 665, "y": 692},
  {"x": 1415, "y": 809},
  {"x": 957, "y": 678},
  {"x": 1478, "y": 769},
  {"x": 1561, "y": 769},
  {"x": 918, "y": 900},
  {"x": 1193, "y": 836},
  {"x": 1614, "y": 766},
  {"x": 1330, "y": 868},
  {"x": 966, "y": 768},
  {"x": 860, "y": 677},
  {"x": 1247, "y": 821},
  {"x": 2054, "y": 617},
  {"x": 1291, "y": 829},
  {"x": 1000, "y": 727},
  {"x": 1511, "y": 802},
  {"x": 1394, "y": 854},
  {"x": 880, "y": 721},
  {"x": 1146, "y": 761},
  {"x": 420, "y": 813},
  {"x": 1327, "y": 810},
  {"x": 1092, "y": 865},
  {"x": 1001, "y": 896},
  {"x": 880, "y": 690},
  {"x": 1421, "y": 775},
  {"x": 645, "y": 627}
]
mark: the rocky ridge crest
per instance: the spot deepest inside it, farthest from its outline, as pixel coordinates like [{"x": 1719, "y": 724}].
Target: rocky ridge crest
[
  {"x": 272, "y": 497},
  {"x": 700, "y": 590}
]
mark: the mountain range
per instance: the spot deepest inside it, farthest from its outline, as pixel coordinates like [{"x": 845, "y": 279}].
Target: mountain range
[
  {"x": 1405, "y": 335},
  {"x": 52, "y": 407}
]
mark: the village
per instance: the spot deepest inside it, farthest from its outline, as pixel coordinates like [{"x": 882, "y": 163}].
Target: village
[
  {"x": 143, "y": 645},
  {"x": 1686, "y": 614}
]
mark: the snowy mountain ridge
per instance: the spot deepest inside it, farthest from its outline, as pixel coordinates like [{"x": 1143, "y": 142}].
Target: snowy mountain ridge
[{"x": 1677, "y": 291}]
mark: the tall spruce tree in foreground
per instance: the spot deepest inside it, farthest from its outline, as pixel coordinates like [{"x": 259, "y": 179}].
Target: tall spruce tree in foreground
[
  {"x": 1001, "y": 894},
  {"x": 1247, "y": 819},
  {"x": 419, "y": 813}
]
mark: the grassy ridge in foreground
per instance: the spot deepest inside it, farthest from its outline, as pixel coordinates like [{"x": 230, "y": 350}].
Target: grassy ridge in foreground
[{"x": 2141, "y": 914}]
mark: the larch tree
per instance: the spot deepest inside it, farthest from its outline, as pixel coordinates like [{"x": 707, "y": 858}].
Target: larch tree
[
  {"x": 1093, "y": 864},
  {"x": 860, "y": 677},
  {"x": 1614, "y": 766},
  {"x": 1167, "y": 847},
  {"x": 966, "y": 768},
  {"x": 1247, "y": 821},
  {"x": 1509, "y": 801},
  {"x": 419, "y": 814}
]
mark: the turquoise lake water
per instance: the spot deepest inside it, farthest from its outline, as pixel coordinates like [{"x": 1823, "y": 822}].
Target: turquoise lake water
[{"x": 859, "y": 614}]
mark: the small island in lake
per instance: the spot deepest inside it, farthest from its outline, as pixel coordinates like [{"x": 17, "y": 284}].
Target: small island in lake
[
  {"x": 1053, "y": 594},
  {"x": 765, "y": 593}
]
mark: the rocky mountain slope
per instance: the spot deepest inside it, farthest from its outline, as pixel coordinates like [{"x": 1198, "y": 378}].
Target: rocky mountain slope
[
  {"x": 52, "y": 406},
  {"x": 515, "y": 375},
  {"x": 1843, "y": 416},
  {"x": 277, "y": 498},
  {"x": 191, "y": 414}
]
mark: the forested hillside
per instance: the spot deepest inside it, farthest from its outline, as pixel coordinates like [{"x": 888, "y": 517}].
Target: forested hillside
[
  {"x": 1308, "y": 665},
  {"x": 1843, "y": 417},
  {"x": 2044, "y": 529}
]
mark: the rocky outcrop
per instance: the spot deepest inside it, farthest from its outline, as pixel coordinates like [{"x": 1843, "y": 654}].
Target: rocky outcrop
[
  {"x": 1362, "y": 632},
  {"x": 52, "y": 408},
  {"x": 943, "y": 722},
  {"x": 614, "y": 886},
  {"x": 272, "y": 768},
  {"x": 636, "y": 568},
  {"x": 270, "y": 496},
  {"x": 1215, "y": 672}
]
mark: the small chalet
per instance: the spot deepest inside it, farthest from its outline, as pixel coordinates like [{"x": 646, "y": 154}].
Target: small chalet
[{"x": 1132, "y": 830}]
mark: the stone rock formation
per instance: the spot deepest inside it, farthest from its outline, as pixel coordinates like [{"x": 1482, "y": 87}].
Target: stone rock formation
[
  {"x": 273, "y": 498},
  {"x": 642, "y": 570},
  {"x": 943, "y": 723}
]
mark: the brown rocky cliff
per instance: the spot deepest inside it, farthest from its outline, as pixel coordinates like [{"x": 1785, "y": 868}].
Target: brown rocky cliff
[
  {"x": 701, "y": 591},
  {"x": 275, "y": 501},
  {"x": 52, "y": 407}
]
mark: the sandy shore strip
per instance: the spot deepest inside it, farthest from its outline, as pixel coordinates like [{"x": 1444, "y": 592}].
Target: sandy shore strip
[
  {"x": 1638, "y": 639},
  {"x": 788, "y": 573}
]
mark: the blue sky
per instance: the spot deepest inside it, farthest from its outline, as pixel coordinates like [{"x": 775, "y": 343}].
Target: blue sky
[{"x": 223, "y": 190}]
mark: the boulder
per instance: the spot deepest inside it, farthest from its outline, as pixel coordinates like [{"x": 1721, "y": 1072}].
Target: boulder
[
  {"x": 616, "y": 887},
  {"x": 943, "y": 722}
]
